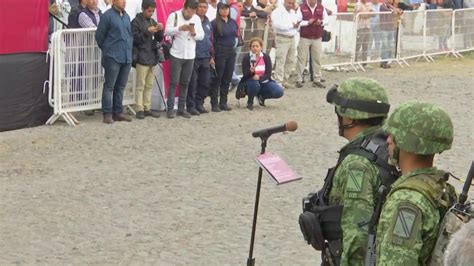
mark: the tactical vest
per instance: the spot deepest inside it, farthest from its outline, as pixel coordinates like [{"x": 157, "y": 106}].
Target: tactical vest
[
  {"x": 321, "y": 223},
  {"x": 442, "y": 196}
]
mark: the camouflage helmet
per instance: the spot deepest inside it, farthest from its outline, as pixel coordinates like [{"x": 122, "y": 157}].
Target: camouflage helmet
[
  {"x": 420, "y": 128},
  {"x": 359, "y": 98}
]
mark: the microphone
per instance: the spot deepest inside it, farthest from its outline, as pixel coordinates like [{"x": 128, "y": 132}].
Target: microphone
[
  {"x": 253, "y": 59},
  {"x": 267, "y": 132}
]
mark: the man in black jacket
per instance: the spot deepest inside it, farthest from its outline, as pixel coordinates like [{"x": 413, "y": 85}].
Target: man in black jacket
[
  {"x": 147, "y": 33},
  {"x": 76, "y": 9}
]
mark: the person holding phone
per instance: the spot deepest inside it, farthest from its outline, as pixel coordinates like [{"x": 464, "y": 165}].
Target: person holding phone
[
  {"x": 257, "y": 71},
  {"x": 147, "y": 34},
  {"x": 184, "y": 26}
]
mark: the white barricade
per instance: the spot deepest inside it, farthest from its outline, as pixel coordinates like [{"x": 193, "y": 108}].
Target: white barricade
[
  {"x": 376, "y": 38},
  {"x": 411, "y": 35},
  {"x": 437, "y": 33},
  {"x": 249, "y": 28},
  {"x": 463, "y": 30},
  {"x": 337, "y": 52},
  {"x": 77, "y": 76}
]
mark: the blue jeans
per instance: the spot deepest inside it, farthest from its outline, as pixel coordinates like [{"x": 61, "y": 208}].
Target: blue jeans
[
  {"x": 116, "y": 77},
  {"x": 388, "y": 44},
  {"x": 267, "y": 90}
]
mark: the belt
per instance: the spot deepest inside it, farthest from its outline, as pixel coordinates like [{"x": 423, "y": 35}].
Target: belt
[{"x": 284, "y": 36}]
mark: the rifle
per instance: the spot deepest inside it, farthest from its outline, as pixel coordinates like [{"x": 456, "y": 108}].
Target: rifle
[
  {"x": 462, "y": 206},
  {"x": 370, "y": 257}
]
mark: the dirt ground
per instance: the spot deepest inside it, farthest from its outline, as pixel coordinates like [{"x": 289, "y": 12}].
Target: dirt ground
[{"x": 176, "y": 192}]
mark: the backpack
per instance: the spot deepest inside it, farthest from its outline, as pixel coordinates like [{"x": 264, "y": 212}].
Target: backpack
[{"x": 456, "y": 216}]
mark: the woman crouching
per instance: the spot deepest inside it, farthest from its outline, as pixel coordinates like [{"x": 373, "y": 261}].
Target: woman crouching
[{"x": 257, "y": 71}]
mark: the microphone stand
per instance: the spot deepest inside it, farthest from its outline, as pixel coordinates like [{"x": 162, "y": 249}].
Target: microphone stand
[{"x": 251, "y": 260}]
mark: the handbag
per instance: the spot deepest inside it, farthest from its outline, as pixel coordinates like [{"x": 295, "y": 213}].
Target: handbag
[
  {"x": 241, "y": 91},
  {"x": 326, "y": 36}
]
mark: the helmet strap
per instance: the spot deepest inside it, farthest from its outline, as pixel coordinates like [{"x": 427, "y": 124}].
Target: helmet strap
[
  {"x": 342, "y": 127},
  {"x": 395, "y": 159}
]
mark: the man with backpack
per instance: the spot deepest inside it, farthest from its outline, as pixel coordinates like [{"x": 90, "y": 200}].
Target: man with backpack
[
  {"x": 335, "y": 218},
  {"x": 418, "y": 200}
]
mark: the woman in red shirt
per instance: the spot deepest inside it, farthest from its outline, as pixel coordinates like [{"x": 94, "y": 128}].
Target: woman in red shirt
[{"x": 257, "y": 71}]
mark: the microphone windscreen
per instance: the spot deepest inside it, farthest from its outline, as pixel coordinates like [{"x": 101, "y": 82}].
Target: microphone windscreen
[{"x": 291, "y": 125}]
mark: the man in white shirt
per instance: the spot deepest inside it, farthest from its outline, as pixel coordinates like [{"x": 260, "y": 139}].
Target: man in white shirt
[
  {"x": 286, "y": 24},
  {"x": 185, "y": 28},
  {"x": 211, "y": 10}
]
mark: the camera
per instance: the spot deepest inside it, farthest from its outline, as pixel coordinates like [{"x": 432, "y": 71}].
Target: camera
[{"x": 160, "y": 54}]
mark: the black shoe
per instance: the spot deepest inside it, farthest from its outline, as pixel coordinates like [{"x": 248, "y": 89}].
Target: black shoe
[
  {"x": 201, "y": 109},
  {"x": 184, "y": 114},
  {"x": 193, "y": 111},
  {"x": 299, "y": 84},
  {"x": 322, "y": 80},
  {"x": 171, "y": 113},
  {"x": 140, "y": 115},
  {"x": 261, "y": 101},
  {"x": 151, "y": 113},
  {"x": 225, "y": 107},
  {"x": 250, "y": 106},
  {"x": 318, "y": 84},
  {"x": 216, "y": 109}
]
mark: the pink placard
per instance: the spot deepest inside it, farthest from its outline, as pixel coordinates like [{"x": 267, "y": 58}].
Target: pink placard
[{"x": 276, "y": 168}]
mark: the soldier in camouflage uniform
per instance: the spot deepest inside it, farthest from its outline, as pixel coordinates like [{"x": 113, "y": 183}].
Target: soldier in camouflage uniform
[
  {"x": 361, "y": 106},
  {"x": 409, "y": 222}
]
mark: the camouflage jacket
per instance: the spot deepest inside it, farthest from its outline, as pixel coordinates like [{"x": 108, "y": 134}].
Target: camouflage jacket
[
  {"x": 355, "y": 185},
  {"x": 408, "y": 226}
]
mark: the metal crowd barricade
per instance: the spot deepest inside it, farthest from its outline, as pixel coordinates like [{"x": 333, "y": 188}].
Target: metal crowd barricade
[
  {"x": 76, "y": 75},
  {"x": 374, "y": 30},
  {"x": 249, "y": 28},
  {"x": 337, "y": 52},
  {"x": 411, "y": 36},
  {"x": 463, "y": 31},
  {"x": 437, "y": 33}
]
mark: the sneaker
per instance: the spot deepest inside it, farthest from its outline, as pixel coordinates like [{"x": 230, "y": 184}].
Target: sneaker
[
  {"x": 216, "y": 109},
  {"x": 225, "y": 107},
  {"x": 108, "y": 119},
  {"x": 250, "y": 106},
  {"x": 184, "y": 114},
  {"x": 261, "y": 100},
  {"x": 193, "y": 111},
  {"x": 318, "y": 84},
  {"x": 202, "y": 110},
  {"x": 171, "y": 113},
  {"x": 152, "y": 113},
  {"x": 121, "y": 117},
  {"x": 140, "y": 115},
  {"x": 299, "y": 84}
]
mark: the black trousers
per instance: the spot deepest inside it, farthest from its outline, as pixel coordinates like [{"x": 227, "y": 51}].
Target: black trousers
[
  {"x": 225, "y": 63},
  {"x": 199, "y": 85}
]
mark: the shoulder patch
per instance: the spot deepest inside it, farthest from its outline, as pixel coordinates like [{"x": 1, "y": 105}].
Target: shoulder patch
[
  {"x": 405, "y": 221},
  {"x": 355, "y": 181}
]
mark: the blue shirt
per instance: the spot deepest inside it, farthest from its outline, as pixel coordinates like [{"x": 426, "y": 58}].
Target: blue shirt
[
  {"x": 114, "y": 36},
  {"x": 203, "y": 47},
  {"x": 229, "y": 33}
]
